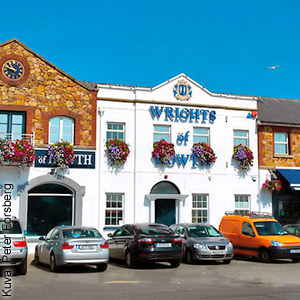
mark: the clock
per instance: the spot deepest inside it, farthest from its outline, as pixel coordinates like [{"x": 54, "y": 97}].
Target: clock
[{"x": 13, "y": 69}]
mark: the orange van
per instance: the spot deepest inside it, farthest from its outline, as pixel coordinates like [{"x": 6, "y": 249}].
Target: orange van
[{"x": 259, "y": 235}]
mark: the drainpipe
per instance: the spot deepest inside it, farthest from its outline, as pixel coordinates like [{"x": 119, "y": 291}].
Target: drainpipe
[{"x": 134, "y": 157}]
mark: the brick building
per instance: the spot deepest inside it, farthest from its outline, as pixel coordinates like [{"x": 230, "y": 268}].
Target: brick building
[
  {"x": 279, "y": 156},
  {"x": 42, "y": 104}
]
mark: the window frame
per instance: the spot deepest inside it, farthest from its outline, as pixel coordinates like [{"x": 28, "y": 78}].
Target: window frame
[
  {"x": 61, "y": 129},
  {"x": 236, "y": 137},
  {"x": 200, "y": 209},
  {"x": 241, "y": 209},
  {"x": 282, "y": 143},
  {"x": 9, "y": 123},
  {"x": 161, "y": 132},
  {"x": 115, "y": 131},
  {"x": 111, "y": 209},
  {"x": 201, "y": 135}
]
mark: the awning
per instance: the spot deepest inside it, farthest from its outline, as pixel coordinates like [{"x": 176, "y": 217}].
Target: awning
[{"x": 292, "y": 175}]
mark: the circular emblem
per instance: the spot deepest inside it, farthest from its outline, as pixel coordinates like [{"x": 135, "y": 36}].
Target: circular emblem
[
  {"x": 13, "y": 69},
  {"x": 217, "y": 247}
]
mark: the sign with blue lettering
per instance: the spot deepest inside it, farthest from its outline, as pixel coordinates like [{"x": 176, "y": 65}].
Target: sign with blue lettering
[{"x": 83, "y": 160}]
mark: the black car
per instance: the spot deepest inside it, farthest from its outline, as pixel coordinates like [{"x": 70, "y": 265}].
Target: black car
[{"x": 137, "y": 243}]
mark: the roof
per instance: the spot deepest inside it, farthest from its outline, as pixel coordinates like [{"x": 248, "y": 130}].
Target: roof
[{"x": 278, "y": 110}]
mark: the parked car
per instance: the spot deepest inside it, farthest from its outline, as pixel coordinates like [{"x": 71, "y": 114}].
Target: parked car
[
  {"x": 203, "y": 242},
  {"x": 293, "y": 229},
  {"x": 72, "y": 245},
  {"x": 137, "y": 243},
  {"x": 13, "y": 246},
  {"x": 259, "y": 235}
]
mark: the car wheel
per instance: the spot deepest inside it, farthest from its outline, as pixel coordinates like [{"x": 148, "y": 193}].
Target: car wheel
[
  {"x": 264, "y": 255},
  {"x": 189, "y": 257},
  {"x": 53, "y": 266},
  {"x": 36, "y": 258},
  {"x": 22, "y": 269},
  {"x": 295, "y": 260},
  {"x": 129, "y": 260},
  {"x": 227, "y": 261},
  {"x": 175, "y": 263},
  {"x": 101, "y": 267}
]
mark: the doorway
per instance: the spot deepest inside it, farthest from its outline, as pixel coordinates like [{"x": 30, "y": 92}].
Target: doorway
[
  {"x": 49, "y": 205},
  {"x": 165, "y": 211}
]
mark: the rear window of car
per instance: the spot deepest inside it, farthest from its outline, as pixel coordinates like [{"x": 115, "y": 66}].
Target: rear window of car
[
  {"x": 81, "y": 233},
  {"x": 12, "y": 227},
  {"x": 156, "y": 230}
]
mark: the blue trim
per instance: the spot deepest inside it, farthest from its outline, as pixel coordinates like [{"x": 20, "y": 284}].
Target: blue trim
[{"x": 110, "y": 228}]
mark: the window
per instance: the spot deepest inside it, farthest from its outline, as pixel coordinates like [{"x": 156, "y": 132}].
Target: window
[
  {"x": 115, "y": 131},
  {"x": 240, "y": 137},
  {"x": 200, "y": 208},
  {"x": 114, "y": 209},
  {"x": 161, "y": 132},
  {"x": 201, "y": 135},
  {"x": 61, "y": 128},
  {"x": 242, "y": 203},
  {"x": 12, "y": 125},
  {"x": 247, "y": 229},
  {"x": 281, "y": 143}
]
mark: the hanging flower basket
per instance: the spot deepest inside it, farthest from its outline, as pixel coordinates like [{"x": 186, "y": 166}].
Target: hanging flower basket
[
  {"x": 19, "y": 153},
  {"x": 62, "y": 154},
  {"x": 272, "y": 185},
  {"x": 163, "y": 152},
  {"x": 244, "y": 156},
  {"x": 117, "y": 152},
  {"x": 204, "y": 153}
]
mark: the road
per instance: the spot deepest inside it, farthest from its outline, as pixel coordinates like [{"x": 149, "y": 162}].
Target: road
[{"x": 242, "y": 279}]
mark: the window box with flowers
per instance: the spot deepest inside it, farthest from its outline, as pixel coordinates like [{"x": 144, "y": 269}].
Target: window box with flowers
[
  {"x": 117, "y": 152},
  {"x": 244, "y": 156},
  {"x": 62, "y": 154},
  {"x": 163, "y": 152},
  {"x": 18, "y": 153},
  {"x": 204, "y": 153},
  {"x": 273, "y": 185}
]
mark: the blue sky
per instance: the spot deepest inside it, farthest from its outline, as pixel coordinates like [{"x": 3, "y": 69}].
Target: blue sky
[{"x": 224, "y": 45}]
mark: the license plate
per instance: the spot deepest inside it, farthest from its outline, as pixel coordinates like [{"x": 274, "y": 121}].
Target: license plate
[
  {"x": 163, "y": 245},
  {"x": 295, "y": 251},
  {"x": 86, "y": 247},
  {"x": 217, "y": 252}
]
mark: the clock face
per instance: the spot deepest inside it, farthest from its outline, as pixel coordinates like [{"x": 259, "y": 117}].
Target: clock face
[{"x": 13, "y": 69}]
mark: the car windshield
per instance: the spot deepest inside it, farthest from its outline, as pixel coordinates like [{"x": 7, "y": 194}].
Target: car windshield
[
  {"x": 12, "y": 227},
  {"x": 202, "y": 231},
  {"x": 155, "y": 230},
  {"x": 80, "y": 233},
  {"x": 269, "y": 228}
]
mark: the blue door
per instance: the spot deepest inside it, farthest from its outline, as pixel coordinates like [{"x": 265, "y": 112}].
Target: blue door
[{"x": 165, "y": 212}]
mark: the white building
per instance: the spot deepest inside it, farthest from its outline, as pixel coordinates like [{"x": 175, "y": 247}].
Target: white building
[{"x": 182, "y": 112}]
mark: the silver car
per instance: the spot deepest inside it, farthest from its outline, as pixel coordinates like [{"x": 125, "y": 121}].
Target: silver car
[
  {"x": 72, "y": 245},
  {"x": 13, "y": 246},
  {"x": 203, "y": 242}
]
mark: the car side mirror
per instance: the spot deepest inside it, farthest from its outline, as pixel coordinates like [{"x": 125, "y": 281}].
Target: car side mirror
[
  {"x": 252, "y": 234},
  {"x": 110, "y": 235},
  {"x": 42, "y": 238}
]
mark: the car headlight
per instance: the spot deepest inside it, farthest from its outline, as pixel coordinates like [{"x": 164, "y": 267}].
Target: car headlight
[
  {"x": 229, "y": 246},
  {"x": 276, "y": 244},
  {"x": 199, "y": 246}
]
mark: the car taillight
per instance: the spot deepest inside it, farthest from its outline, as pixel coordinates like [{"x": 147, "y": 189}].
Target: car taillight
[
  {"x": 21, "y": 243},
  {"x": 177, "y": 240},
  {"x": 104, "y": 246},
  {"x": 66, "y": 246},
  {"x": 145, "y": 241}
]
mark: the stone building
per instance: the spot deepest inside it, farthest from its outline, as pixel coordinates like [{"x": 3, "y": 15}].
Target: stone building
[
  {"x": 42, "y": 104},
  {"x": 279, "y": 156}
]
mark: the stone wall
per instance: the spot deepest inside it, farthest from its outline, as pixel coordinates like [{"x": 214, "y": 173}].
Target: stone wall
[
  {"x": 267, "y": 158},
  {"x": 47, "y": 92}
]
